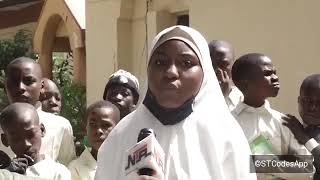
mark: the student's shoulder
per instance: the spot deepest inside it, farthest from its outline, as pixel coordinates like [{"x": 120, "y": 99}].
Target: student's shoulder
[
  {"x": 128, "y": 121},
  {"x": 276, "y": 114},
  {"x": 59, "y": 120},
  {"x": 57, "y": 167},
  {"x": 74, "y": 164},
  {"x": 84, "y": 158},
  {"x": 238, "y": 110}
]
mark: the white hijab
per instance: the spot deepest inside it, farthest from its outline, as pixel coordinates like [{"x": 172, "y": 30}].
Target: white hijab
[{"x": 208, "y": 144}]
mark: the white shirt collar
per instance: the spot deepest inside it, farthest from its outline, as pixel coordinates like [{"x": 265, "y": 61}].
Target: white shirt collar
[
  {"x": 265, "y": 108},
  {"x": 88, "y": 158},
  {"x": 235, "y": 96}
]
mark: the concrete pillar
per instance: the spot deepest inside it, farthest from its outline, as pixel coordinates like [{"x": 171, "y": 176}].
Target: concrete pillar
[
  {"x": 79, "y": 66},
  {"x": 45, "y": 61}
]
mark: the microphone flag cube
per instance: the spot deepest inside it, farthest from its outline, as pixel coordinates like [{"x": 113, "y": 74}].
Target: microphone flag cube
[{"x": 145, "y": 154}]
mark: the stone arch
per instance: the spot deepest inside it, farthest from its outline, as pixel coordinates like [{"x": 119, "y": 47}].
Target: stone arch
[{"x": 55, "y": 13}]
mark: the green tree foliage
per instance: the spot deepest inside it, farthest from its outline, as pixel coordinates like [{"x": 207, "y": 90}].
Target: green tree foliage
[{"x": 73, "y": 95}]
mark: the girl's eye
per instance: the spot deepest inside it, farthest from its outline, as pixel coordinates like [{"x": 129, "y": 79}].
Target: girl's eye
[
  {"x": 160, "y": 62},
  {"x": 187, "y": 63}
]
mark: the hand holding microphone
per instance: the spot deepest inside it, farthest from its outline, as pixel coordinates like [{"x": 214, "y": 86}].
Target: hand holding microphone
[{"x": 145, "y": 160}]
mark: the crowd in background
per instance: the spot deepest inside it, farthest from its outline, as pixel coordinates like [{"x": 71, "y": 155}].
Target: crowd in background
[{"x": 209, "y": 111}]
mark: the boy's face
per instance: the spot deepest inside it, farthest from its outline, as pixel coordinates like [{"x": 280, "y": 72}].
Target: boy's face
[
  {"x": 122, "y": 97},
  {"x": 174, "y": 74},
  {"x": 100, "y": 122},
  {"x": 309, "y": 105},
  {"x": 51, "y": 99},
  {"x": 222, "y": 58},
  {"x": 24, "y": 136},
  {"x": 264, "y": 80},
  {"x": 23, "y": 83}
]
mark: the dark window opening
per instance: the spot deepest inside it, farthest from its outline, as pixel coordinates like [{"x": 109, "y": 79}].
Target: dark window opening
[{"x": 183, "y": 20}]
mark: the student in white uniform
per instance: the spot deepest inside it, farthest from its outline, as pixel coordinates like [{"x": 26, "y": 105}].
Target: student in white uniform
[
  {"x": 7, "y": 175},
  {"x": 50, "y": 97},
  {"x": 307, "y": 130},
  {"x": 23, "y": 83},
  {"x": 255, "y": 75},
  {"x": 186, "y": 109},
  {"x": 222, "y": 57},
  {"x": 23, "y": 133},
  {"x": 101, "y": 117}
]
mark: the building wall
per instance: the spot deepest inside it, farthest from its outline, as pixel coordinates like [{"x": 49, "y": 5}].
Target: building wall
[
  {"x": 287, "y": 31},
  {"x": 119, "y": 36},
  {"x": 8, "y": 33},
  {"x": 101, "y": 45}
]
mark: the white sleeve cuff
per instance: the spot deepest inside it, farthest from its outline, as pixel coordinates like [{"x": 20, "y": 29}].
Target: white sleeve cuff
[{"x": 311, "y": 144}]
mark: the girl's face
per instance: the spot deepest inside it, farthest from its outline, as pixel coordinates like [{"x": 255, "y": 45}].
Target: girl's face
[{"x": 174, "y": 73}]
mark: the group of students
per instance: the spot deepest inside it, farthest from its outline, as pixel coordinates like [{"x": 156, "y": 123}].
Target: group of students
[
  {"x": 37, "y": 142},
  {"x": 246, "y": 84},
  {"x": 207, "y": 111}
]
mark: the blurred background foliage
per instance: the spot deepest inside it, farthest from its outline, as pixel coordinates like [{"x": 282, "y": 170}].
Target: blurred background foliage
[{"x": 73, "y": 95}]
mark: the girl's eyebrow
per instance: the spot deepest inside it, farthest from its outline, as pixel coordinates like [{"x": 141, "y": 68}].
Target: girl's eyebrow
[
  {"x": 188, "y": 54},
  {"x": 159, "y": 52}
]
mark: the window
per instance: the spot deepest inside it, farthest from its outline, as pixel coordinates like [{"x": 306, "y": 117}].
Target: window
[{"x": 183, "y": 20}]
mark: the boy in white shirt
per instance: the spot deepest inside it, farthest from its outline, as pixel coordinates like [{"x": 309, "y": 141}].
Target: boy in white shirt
[
  {"x": 101, "y": 117},
  {"x": 23, "y": 132},
  {"x": 256, "y": 77},
  {"x": 23, "y": 83},
  {"x": 222, "y": 57},
  {"x": 50, "y": 97},
  {"x": 308, "y": 133},
  {"x": 7, "y": 175}
]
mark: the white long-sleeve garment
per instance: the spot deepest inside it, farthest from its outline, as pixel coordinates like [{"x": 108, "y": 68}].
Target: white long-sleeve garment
[
  {"x": 208, "y": 144},
  {"x": 265, "y": 121},
  {"x": 48, "y": 169},
  {"x": 84, "y": 167},
  {"x": 58, "y": 140},
  {"x": 234, "y": 97},
  {"x": 7, "y": 175}
]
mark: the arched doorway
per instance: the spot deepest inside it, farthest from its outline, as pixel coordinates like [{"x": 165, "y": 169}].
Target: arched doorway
[{"x": 61, "y": 28}]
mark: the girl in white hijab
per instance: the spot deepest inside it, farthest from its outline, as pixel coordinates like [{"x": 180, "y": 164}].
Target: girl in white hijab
[{"x": 186, "y": 109}]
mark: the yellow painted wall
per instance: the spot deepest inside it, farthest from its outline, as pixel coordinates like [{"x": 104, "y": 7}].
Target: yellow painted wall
[
  {"x": 101, "y": 45},
  {"x": 288, "y": 31},
  {"x": 8, "y": 33},
  {"x": 118, "y": 35}
]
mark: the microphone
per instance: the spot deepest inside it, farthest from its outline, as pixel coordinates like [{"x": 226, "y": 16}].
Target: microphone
[{"x": 145, "y": 158}]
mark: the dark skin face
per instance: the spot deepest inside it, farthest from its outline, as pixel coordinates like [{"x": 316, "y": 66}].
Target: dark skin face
[
  {"x": 263, "y": 83},
  {"x": 24, "y": 83},
  {"x": 51, "y": 97},
  {"x": 24, "y": 136},
  {"x": 309, "y": 105},
  {"x": 309, "y": 110},
  {"x": 100, "y": 122},
  {"x": 222, "y": 59},
  {"x": 174, "y": 74},
  {"x": 122, "y": 97}
]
